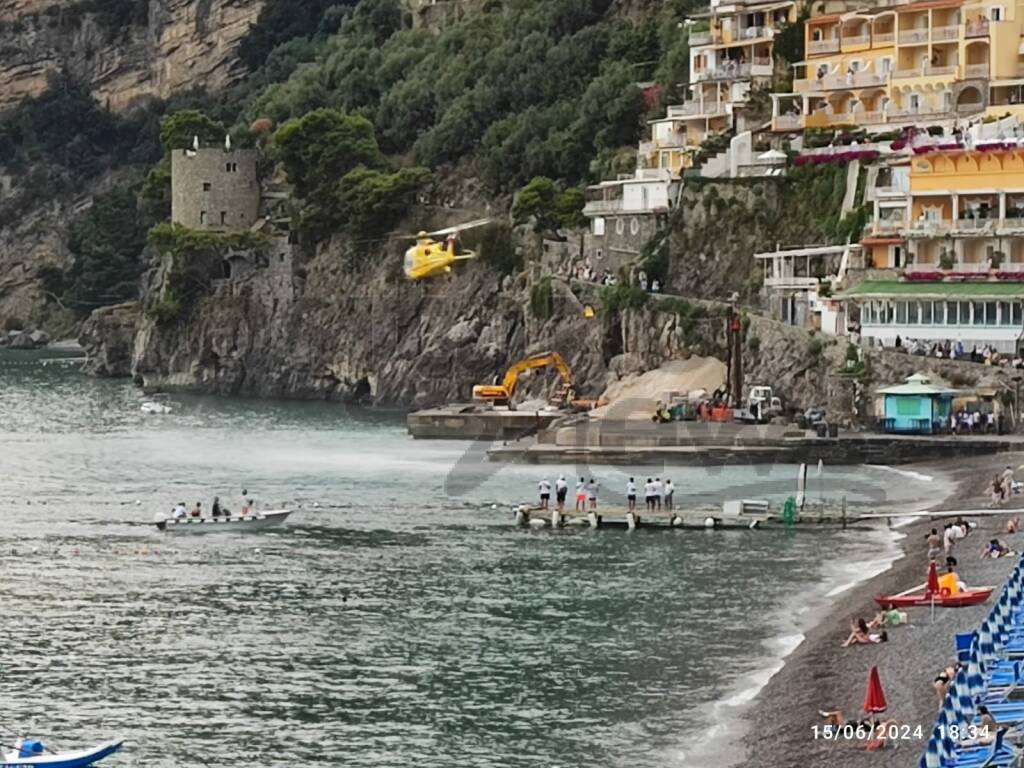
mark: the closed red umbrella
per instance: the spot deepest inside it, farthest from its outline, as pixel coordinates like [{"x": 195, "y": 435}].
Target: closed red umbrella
[
  {"x": 874, "y": 697},
  {"x": 933, "y": 579}
]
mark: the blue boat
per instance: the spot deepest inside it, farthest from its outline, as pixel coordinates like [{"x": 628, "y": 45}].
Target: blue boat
[{"x": 31, "y": 752}]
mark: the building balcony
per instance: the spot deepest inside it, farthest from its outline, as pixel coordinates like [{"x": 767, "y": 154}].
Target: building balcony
[
  {"x": 856, "y": 41},
  {"x": 702, "y": 37},
  {"x": 976, "y": 70},
  {"x": 753, "y": 33},
  {"x": 928, "y": 71},
  {"x": 979, "y": 226},
  {"x": 787, "y": 122},
  {"x": 930, "y": 227},
  {"x": 914, "y": 36},
  {"x": 880, "y": 39},
  {"x": 792, "y": 282},
  {"x": 724, "y": 72},
  {"x": 694, "y": 108},
  {"x": 977, "y": 28},
  {"x": 600, "y": 207},
  {"x": 823, "y": 46},
  {"x": 884, "y": 227},
  {"x": 939, "y": 34}
]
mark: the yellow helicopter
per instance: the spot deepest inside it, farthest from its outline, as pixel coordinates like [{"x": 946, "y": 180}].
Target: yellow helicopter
[{"x": 429, "y": 257}]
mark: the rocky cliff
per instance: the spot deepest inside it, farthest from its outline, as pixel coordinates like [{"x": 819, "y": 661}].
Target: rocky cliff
[
  {"x": 156, "y": 49},
  {"x": 348, "y": 326}
]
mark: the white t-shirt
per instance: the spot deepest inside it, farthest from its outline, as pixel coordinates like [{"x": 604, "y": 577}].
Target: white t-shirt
[
  {"x": 544, "y": 486},
  {"x": 949, "y": 537},
  {"x": 592, "y": 490},
  {"x": 580, "y": 489},
  {"x": 669, "y": 488},
  {"x": 657, "y": 487},
  {"x": 631, "y": 488},
  {"x": 648, "y": 489},
  {"x": 560, "y": 484}
]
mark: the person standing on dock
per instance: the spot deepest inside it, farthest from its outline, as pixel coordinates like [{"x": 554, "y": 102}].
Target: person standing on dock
[
  {"x": 631, "y": 495},
  {"x": 658, "y": 487},
  {"x": 669, "y": 490},
  {"x": 581, "y": 495},
  {"x": 561, "y": 488},
  {"x": 544, "y": 486},
  {"x": 592, "y": 493},
  {"x": 649, "y": 495}
]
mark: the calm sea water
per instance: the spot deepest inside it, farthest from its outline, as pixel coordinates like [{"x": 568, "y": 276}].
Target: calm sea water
[{"x": 399, "y": 619}]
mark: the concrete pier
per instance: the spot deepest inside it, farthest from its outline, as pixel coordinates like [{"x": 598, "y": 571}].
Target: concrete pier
[{"x": 468, "y": 421}]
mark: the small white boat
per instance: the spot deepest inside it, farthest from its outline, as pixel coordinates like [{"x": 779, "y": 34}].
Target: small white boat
[
  {"x": 254, "y": 521},
  {"x": 158, "y": 404},
  {"x": 32, "y": 753}
]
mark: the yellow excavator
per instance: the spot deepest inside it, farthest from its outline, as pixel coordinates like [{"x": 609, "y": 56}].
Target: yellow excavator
[{"x": 501, "y": 394}]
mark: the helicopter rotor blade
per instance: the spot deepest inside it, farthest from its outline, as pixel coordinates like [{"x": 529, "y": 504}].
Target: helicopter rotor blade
[{"x": 461, "y": 227}]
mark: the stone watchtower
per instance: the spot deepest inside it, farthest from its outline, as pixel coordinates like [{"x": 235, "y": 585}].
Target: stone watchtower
[{"x": 215, "y": 189}]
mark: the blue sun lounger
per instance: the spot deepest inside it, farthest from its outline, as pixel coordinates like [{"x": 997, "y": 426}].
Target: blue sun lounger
[{"x": 998, "y": 754}]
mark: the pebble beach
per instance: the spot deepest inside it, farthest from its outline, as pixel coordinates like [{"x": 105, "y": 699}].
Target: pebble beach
[{"x": 822, "y": 675}]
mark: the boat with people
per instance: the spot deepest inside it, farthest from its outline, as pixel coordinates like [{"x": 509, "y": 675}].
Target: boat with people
[
  {"x": 944, "y": 592},
  {"x": 158, "y": 404},
  {"x": 32, "y": 752},
  {"x": 253, "y": 521}
]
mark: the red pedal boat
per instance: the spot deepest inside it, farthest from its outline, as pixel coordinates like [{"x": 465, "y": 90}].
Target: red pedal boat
[{"x": 931, "y": 594}]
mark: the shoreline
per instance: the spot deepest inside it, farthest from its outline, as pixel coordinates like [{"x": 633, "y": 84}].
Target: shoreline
[
  {"x": 819, "y": 674},
  {"x": 730, "y": 723}
]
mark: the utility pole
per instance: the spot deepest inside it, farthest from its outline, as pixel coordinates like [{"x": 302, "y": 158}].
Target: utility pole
[{"x": 735, "y": 355}]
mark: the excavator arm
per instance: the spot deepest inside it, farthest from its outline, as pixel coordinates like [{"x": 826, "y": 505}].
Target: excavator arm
[{"x": 503, "y": 393}]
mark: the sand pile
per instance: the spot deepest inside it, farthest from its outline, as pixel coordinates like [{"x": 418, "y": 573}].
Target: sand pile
[{"x": 638, "y": 394}]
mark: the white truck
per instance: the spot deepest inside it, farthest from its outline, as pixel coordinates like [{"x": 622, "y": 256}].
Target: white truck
[{"x": 762, "y": 404}]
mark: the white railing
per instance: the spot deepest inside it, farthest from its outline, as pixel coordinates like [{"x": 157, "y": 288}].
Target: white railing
[
  {"x": 824, "y": 46},
  {"x": 700, "y": 38},
  {"x": 911, "y": 72},
  {"x": 752, "y": 33},
  {"x": 797, "y": 283},
  {"x": 870, "y": 118},
  {"x": 976, "y": 225},
  {"x": 914, "y": 36},
  {"x": 929, "y": 226},
  {"x": 856, "y": 40},
  {"x": 949, "y": 69},
  {"x": 1011, "y": 223},
  {"x": 945, "y": 33},
  {"x": 977, "y": 28},
  {"x": 724, "y": 72},
  {"x": 976, "y": 70},
  {"x": 883, "y": 38},
  {"x": 852, "y": 80},
  {"x": 691, "y": 108}
]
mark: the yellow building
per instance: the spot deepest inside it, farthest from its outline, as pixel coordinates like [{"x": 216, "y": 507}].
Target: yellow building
[
  {"x": 731, "y": 47},
  {"x": 966, "y": 212},
  {"x": 881, "y": 67}
]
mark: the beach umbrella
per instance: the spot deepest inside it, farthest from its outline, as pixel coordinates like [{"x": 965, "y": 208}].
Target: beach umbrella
[
  {"x": 874, "y": 696},
  {"x": 975, "y": 676},
  {"x": 964, "y": 701},
  {"x": 986, "y": 650},
  {"x": 931, "y": 758},
  {"x": 932, "y": 586},
  {"x": 946, "y": 745}
]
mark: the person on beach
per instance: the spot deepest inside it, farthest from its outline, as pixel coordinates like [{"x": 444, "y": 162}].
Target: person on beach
[
  {"x": 995, "y": 491},
  {"x": 246, "y": 507},
  {"x": 934, "y": 544},
  {"x": 649, "y": 494},
  {"x": 995, "y": 549},
  {"x": 986, "y": 730},
  {"x": 215, "y": 509},
  {"x": 592, "y": 493},
  {"x": 180, "y": 511},
  {"x": 860, "y": 634},
  {"x": 197, "y": 511},
  {"x": 631, "y": 495},
  {"x": 561, "y": 489},
  {"x": 544, "y": 486},
  {"x": 669, "y": 490},
  {"x": 890, "y": 618},
  {"x": 941, "y": 683},
  {"x": 948, "y": 540},
  {"x": 658, "y": 487},
  {"x": 581, "y": 496},
  {"x": 1013, "y": 525}
]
